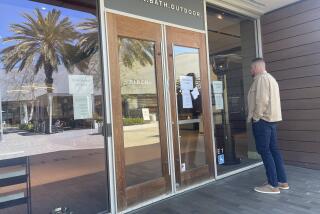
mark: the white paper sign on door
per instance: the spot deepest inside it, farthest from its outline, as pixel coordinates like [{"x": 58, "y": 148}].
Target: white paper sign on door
[
  {"x": 186, "y": 99},
  {"x": 217, "y": 87},
  {"x": 218, "y": 98},
  {"x": 186, "y": 83},
  {"x": 82, "y": 106},
  {"x": 195, "y": 93},
  {"x": 183, "y": 167}
]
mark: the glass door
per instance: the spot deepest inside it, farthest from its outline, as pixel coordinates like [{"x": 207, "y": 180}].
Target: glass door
[
  {"x": 52, "y": 151},
  {"x": 138, "y": 110},
  {"x": 192, "y": 138},
  {"x": 231, "y": 47}
]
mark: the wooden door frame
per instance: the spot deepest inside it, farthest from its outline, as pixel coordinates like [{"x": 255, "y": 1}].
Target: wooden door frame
[
  {"x": 197, "y": 40},
  {"x": 119, "y": 25}
]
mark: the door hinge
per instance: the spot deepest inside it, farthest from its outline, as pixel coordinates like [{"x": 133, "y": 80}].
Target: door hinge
[{"x": 109, "y": 130}]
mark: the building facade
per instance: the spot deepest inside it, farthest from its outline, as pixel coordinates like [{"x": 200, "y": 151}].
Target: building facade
[
  {"x": 109, "y": 106},
  {"x": 290, "y": 39}
]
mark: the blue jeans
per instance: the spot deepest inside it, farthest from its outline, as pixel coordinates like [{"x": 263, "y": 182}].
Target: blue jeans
[{"x": 265, "y": 134}]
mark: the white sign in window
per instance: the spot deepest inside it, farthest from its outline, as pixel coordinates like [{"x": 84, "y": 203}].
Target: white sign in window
[
  {"x": 186, "y": 83},
  {"x": 145, "y": 114},
  {"x": 82, "y": 106},
  {"x": 80, "y": 84},
  {"x": 186, "y": 99},
  {"x": 217, "y": 87},
  {"x": 195, "y": 93},
  {"x": 218, "y": 98}
]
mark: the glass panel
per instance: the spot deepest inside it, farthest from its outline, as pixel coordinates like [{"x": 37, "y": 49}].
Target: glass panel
[
  {"x": 187, "y": 73},
  {"x": 232, "y": 47},
  {"x": 140, "y": 111},
  {"x": 188, "y": 89},
  {"x": 51, "y": 99},
  {"x": 192, "y": 146}
]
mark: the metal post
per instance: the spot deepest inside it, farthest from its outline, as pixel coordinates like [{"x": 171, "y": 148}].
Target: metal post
[
  {"x": 1, "y": 123},
  {"x": 230, "y": 153},
  {"x": 107, "y": 102},
  {"x": 29, "y": 203},
  {"x": 50, "y": 113}
]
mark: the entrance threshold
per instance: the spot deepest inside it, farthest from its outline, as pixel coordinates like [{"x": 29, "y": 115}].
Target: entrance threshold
[{"x": 243, "y": 169}]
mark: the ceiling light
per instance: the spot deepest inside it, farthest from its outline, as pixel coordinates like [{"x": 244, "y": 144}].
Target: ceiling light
[
  {"x": 43, "y": 8},
  {"x": 219, "y": 16}
]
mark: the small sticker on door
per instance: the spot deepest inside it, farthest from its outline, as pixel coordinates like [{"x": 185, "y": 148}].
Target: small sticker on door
[{"x": 183, "y": 167}]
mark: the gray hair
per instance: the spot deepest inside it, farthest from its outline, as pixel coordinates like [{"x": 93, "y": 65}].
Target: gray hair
[{"x": 259, "y": 63}]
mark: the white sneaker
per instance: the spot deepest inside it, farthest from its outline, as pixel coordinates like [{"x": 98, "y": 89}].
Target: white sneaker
[
  {"x": 284, "y": 186},
  {"x": 267, "y": 189}
]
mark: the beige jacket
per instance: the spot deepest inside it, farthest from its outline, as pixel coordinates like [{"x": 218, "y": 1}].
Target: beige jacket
[{"x": 264, "y": 99}]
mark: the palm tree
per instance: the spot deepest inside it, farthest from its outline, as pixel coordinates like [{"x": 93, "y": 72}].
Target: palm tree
[
  {"x": 131, "y": 50},
  {"x": 89, "y": 39},
  {"x": 41, "y": 43}
]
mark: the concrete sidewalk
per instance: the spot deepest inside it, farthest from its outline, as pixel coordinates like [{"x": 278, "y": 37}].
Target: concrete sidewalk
[{"x": 235, "y": 195}]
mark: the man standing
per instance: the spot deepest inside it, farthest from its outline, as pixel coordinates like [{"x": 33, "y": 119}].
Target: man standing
[{"x": 264, "y": 112}]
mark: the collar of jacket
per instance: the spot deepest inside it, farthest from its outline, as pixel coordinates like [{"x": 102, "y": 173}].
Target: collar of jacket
[{"x": 259, "y": 75}]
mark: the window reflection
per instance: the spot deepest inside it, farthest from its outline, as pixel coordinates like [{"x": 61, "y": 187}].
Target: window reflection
[
  {"x": 187, "y": 72},
  {"x": 192, "y": 146},
  {"x": 232, "y": 47},
  {"x": 188, "y": 87},
  {"x": 140, "y": 111},
  {"x": 51, "y": 99}
]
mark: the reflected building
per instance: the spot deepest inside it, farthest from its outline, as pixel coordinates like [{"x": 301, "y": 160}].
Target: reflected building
[{"x": 108, "y": 106}]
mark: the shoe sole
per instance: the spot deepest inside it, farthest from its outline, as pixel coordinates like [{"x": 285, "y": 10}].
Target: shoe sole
[
  {"x": 266, "y": 192},
  {"x": 284, "y": 188}
]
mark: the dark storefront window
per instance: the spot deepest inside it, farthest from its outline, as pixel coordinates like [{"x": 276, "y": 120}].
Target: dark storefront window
[
  {"x": 232, "y": 47},
  {"x": 52, "y": 108}
]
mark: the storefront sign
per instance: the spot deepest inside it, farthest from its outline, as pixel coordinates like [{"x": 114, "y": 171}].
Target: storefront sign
[
  {"x": 137, "y": 82},
  {"x": 188, "y": 13}
]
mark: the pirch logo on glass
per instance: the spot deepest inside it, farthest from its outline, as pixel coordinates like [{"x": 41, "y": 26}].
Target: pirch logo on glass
[{"x": 175, "y": 7}]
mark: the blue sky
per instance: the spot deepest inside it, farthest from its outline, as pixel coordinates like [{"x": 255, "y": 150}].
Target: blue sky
[
  {"x": 11, "y": 10},
  {"x": 183, "y": 50}
]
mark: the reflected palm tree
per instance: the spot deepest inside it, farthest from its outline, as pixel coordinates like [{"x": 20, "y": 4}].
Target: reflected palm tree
[
  {"x": 131, "y": 50},
  {"x": 89, "y": 39},
  {"x": 41, "y": 42}
]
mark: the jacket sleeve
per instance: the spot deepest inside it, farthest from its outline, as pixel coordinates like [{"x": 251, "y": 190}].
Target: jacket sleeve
[{"x": 262, "y": 98}]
